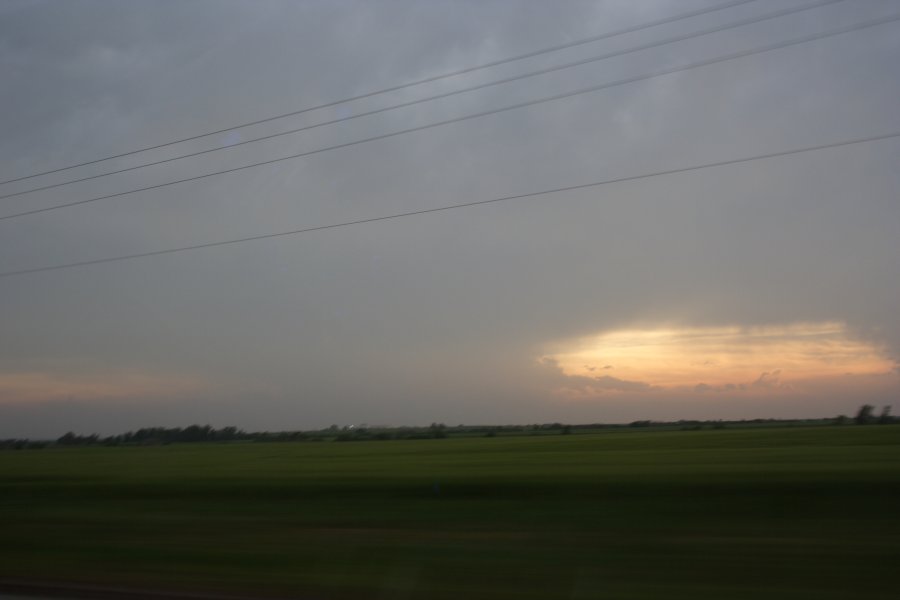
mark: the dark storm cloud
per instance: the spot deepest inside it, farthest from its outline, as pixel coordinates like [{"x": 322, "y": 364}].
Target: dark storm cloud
[{"x": 437, "y": 317}]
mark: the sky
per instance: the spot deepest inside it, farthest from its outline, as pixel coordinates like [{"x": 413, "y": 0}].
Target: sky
[{"x": 760, "y": 289}]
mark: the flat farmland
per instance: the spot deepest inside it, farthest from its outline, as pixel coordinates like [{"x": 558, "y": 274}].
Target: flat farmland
[{"x": 730, "y": 513}]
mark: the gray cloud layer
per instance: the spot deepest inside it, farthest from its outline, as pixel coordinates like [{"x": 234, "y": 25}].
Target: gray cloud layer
[{"x": 438, "y": 317}]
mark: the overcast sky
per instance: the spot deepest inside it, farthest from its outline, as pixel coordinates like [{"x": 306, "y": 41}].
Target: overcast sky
[{"x": 762, "y": 289}]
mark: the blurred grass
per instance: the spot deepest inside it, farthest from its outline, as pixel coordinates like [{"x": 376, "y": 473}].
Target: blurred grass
[{"x": 762, "y": 513}]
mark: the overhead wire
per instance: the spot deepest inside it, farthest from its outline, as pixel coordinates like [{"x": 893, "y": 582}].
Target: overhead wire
[
  {"x": 570, "y": 188},
  {"x": 394, "y": 88},
  {"x": 544, "y": 71},
  {"x": 633, "y": 79}
]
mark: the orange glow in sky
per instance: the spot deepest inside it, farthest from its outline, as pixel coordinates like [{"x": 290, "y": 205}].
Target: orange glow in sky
[
  {"x": 722, "y": 358},
  {"x": 118, "y": 385}
]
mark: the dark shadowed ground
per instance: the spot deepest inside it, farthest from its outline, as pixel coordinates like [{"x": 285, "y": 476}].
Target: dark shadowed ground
[{"x": 766, "y": 513}]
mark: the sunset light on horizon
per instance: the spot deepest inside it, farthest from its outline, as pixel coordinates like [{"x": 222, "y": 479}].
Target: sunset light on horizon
[{"x": 770, "y": 359}]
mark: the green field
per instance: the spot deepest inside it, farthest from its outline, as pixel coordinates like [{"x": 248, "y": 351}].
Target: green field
[{"x": 724, "y": 514}]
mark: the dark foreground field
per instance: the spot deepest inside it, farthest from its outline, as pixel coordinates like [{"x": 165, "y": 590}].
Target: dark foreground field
[{"x": 777, "y": 513}]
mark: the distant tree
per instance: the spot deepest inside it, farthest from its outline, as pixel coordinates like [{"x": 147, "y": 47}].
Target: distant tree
[
  {"x": 864, "y": 415},
  {"x": 841, "y": 420},
  {"x": 227, "y": 433},
  {"x": 195, "y": 433},
  {"x": 885, "y": 417},
  {"x": 68, "y": 439},
  {"x": 566, "y": 430}
]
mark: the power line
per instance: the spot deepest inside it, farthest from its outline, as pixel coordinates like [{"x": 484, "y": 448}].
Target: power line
[
  {"x": 647, "y": 46},
  {"x": 570, "y": 188},
  {"x": 572, "y": 44},
  {"x": 595, "y": 88}
]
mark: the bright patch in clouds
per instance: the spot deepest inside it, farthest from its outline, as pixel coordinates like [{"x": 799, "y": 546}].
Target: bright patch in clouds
[{"x": 769, "y": 359}]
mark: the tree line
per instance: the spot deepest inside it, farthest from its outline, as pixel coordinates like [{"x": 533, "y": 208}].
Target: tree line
[{"x": 149, "y": 436}]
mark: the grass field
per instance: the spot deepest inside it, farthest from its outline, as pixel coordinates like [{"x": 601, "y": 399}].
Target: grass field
[{"x": 761, "y": 513}]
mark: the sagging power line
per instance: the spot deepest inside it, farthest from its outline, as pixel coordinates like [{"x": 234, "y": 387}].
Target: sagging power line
[
  {"x": 665, "y": 41},
  {"x": 569, "y": 65},
  {"x": 452, "y": 206},
  {"x": 433, "y": 78},
  {"x": 659, "y": 73}
]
